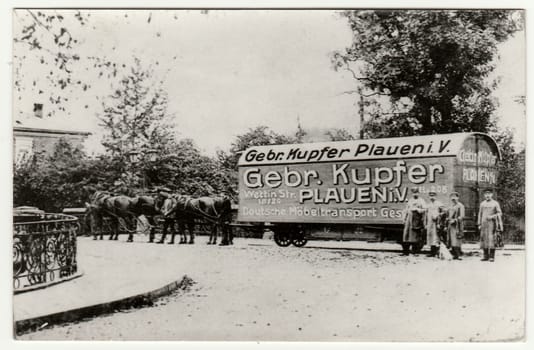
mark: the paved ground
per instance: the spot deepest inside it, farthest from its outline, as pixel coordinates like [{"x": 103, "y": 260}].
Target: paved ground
[
  {"x": 255, "y": 290},
  {"x": 112, "y": 270}
]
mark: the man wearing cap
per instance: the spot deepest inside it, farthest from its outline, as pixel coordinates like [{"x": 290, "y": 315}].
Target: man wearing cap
[
  {"x": 489, "y": 224},
  {"x": 163, "y": 206},
  {"x": 162, "y": 193},
  {"x": 455, "y": 227},
  {"x": 435, "y": 210},
  {"x": 414, "y": 222}
]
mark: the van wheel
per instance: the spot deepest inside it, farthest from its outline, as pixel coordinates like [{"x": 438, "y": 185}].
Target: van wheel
[
  {"x": 299, "y": 236},
  {"x": 299, "y": 242},
  {"x": 282, "y": 239}
]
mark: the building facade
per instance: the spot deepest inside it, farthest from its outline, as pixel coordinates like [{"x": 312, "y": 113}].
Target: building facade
[{"x": 35, "y": 134}]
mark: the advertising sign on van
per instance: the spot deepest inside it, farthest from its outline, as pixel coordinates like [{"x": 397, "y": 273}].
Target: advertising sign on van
[
  {"x": 366, "y": 181},
  {"x": 339, "y": 191}
]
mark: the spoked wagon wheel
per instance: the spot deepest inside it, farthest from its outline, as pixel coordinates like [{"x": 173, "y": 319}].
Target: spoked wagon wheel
[
  {"x": 282, "y": 238},
  {"x": 299, "y": 239},
  {"x": 299, "y": 242}
]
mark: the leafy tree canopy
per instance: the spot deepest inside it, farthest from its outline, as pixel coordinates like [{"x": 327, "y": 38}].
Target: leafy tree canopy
[
  {"x": 439, "y": 60},
  {"x": 62, "y": 179},
  {"x": 511, "y": 174},
  {"x": 340, "y": 135}
]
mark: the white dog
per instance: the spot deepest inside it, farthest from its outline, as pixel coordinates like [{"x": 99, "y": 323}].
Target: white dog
[{"x": 444, "y": 253}]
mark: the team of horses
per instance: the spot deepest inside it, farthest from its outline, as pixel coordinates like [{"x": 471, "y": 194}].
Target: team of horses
[{"x": 177, "y": 212}]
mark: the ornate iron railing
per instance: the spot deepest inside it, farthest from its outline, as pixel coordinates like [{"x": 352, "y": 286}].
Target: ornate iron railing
[{"x": 44, "y": 250}]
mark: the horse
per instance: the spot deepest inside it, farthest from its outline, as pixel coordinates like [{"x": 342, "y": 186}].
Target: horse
[
  {"x": 168, "y": 215},
  {"x": 167, "y": 205},
  {"x": 185, "y": 209},
  {"x": 96, "y": 212},
  {"x": 116, "y": 208}
]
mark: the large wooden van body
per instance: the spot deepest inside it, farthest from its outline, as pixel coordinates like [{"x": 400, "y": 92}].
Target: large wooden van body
[{"x": 359, "y": 189}]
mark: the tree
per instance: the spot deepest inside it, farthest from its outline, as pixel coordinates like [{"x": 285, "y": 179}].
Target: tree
[
  {"x": 63, "y": 68},
  {"x": 438, "y": 60},
  {"x": 185, "y": 170},
  {"x": 511, "y": 180},
  {"x": 340, "y": 135},
  {"x": 391, "y": 125},
  {"x": 135, "y": 115},
  {"x": 300, "y": 133},
  {"x": 61, "y": 180},
  {"x": 45, "y": 38}
]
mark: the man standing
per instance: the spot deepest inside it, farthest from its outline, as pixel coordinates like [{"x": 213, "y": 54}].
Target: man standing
[
  {"x": 435, "y": 210},
  {"x": 489, "y": 225},
  {"x": 455, "y": 217},
  {"x": 414, "y": 223}
]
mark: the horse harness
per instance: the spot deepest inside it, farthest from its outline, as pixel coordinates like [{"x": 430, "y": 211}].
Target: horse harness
[
  {"x": 104, "y": 197},
  {"x": 186, "y": 202}
]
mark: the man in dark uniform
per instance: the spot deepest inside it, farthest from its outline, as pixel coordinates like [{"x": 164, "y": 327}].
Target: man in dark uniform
[
  {"x": 455, "y": 226},
  {"x": 489, "y": 225},
  {"x": 168, "y": 218}
]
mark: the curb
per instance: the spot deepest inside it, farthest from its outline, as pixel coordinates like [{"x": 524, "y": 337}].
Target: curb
[
  {"x": 48, "y": 284},
  {"x": 136, "y": 301}
]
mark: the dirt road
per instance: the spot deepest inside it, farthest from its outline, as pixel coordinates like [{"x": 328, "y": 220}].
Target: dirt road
[{"x": 255, "y": 290}]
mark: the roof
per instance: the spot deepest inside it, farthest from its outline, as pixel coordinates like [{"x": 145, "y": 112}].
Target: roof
[
  {"x": 51, "y": 131},
  {"x": 441, "y": 145},
  {"x": 56, "y": 125}
]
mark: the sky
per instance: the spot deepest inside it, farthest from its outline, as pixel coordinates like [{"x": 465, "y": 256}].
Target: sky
[{"x": 228, "y": 71}]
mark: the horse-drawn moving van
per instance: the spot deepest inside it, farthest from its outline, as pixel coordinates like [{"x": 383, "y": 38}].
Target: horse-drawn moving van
[{"x": 358, "y": 189}]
